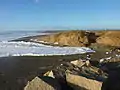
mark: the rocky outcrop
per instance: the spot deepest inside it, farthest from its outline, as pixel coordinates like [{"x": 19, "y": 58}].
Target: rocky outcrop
[
  {"x": 111, "y": 38},
  {"x": 82, "y": 83},
  {"x": 44, "y": 83},
  {"x": 69, "y": 38},
  {"x": 78, "y": 38},
  {"x": 81, "y": 38}
]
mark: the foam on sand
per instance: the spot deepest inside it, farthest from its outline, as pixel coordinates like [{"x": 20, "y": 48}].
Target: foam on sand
[{"x": 36, "y": 49}]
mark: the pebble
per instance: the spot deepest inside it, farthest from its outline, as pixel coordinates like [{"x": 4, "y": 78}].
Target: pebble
[{"x": 107, "y": 52}]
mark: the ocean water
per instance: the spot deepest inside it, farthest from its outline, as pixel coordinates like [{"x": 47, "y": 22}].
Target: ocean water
[
  {"x": 11, "y": 35},
  {"x": 22, "y": 48}
]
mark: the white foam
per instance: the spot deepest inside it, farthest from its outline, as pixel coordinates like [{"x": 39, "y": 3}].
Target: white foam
[{"x": 36, "y": 49}]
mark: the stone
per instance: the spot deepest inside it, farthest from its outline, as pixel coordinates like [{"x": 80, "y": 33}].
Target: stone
[
  {"x": 45, "y": 83},
  {"x": 49, "y": 74},
  {"x": 78, "y": 63},
  {"x": 82, "y": 83},
  {"x": 87, "y": 63}
]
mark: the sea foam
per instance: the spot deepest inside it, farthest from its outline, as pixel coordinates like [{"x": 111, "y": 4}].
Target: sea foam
[{"x": 36, "y": 49}]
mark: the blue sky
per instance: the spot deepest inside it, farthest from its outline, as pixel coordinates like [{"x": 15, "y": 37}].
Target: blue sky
[{"x": 59, "y": 14}]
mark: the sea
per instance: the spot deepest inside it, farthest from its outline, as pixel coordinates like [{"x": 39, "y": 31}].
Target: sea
[
  {"x": 12, "y": 35},
  {"x": 21, "y": 48}
]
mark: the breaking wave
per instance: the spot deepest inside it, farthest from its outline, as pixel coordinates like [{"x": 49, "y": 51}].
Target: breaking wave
[{"x": 36, "y": 49}]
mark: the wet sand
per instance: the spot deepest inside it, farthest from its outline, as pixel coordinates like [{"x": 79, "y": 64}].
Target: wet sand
[{"x": 16, "y": 71}]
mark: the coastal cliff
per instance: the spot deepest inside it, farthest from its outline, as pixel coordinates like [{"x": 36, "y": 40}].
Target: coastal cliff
[
  {"x": 81, "y": 38},
  {"x": 69, "y": 38}
]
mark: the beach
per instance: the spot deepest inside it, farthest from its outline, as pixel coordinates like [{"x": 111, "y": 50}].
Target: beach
[
  {"x": 24, "y": 68},
  {"x": 24, "y": 58}
]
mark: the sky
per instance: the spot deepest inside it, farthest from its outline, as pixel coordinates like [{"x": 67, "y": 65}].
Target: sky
[{"x": 59, "y": 14}]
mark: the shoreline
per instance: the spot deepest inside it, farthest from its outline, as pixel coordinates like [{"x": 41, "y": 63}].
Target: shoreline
[
  {"x": 27, "y": 67},
  {"x": 15, "y": 71}
]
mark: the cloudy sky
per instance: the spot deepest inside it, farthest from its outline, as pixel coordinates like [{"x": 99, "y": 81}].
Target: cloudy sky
[{"x": 59, "y": 14}]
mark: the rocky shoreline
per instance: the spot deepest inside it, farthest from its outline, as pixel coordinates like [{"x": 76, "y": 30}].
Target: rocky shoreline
[
  {"x": 81, "y": 75},
  {"x": 90, "y": 71}
]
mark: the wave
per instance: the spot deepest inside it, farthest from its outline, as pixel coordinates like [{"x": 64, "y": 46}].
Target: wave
[{"x": 22, "y": 48}]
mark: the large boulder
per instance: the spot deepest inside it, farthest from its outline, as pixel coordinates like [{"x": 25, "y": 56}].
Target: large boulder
[
  {"x": 45, "y": 83},
  {"x": 82, "y": 83},
  {"x": 80, "y": 63},
  {"x": 111, "y": 38}
]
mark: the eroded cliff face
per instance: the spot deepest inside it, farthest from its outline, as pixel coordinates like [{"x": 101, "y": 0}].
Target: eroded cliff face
[
  {"x": 82, "y": 38},
  {"x": 69, "y": 38}
]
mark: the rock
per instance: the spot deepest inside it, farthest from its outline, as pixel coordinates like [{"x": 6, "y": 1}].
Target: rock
[
  {"x": 87, "y": 63},
  {"x": 111, "y": 38},
  {"x": 82, "y": 83},
  {"x": 59, "y": 76},
  {"x": 110, "y": 60},
  {"x": 78, "y": 63},
  {"x": 45, "y": 83},
  {"x": 110, "y": 65},
  {"x": 49, "y": 74},
  {"x": 79, "y": 67},
  {"x": 92, "y": 72}
]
